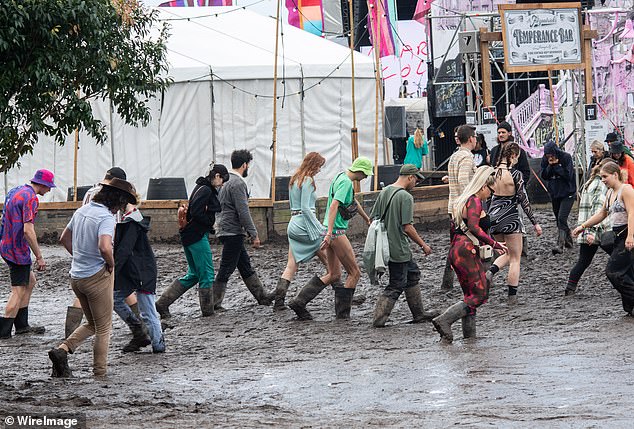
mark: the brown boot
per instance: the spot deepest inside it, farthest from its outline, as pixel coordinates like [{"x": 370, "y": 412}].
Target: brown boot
[
  {"x": 306, "y": 295},
  {"x": 256, "y": 288},
  {"x": 73, "y": 320},
  {"x": 279, "y": 294},
  {"x": 382, "y": 311},
  {"x": 171, "y": 294},
  {"x": 415, "y": 303},
  {"x": 218, "y": 290}
]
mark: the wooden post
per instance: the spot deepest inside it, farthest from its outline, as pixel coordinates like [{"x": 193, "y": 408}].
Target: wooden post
[
  {"x": 377, "y": 60},
  {"x": 553, "y": 108},
  {"x": 486, "y": 37},
  {"x": 354, "y": 135},
  {"x": 588, "y": 35},
  {"x": 274, "y": 144}
]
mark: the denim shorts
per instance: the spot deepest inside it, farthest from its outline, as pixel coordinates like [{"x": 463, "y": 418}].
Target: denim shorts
[{"x": 20, "y": 274}]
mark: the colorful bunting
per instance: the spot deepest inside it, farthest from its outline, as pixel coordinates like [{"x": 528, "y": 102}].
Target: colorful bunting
[
  {"x": 192, "y": 3},
  {"x": 385, "y": 20},
  {"x": 307, "y": 15}
]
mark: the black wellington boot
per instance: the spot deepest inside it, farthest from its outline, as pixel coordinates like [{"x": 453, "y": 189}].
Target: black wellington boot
[
  {"x": 561, "y": 238},
  {"x": 279, "y": 294},
  {"x": 218, "y": 290},
  {"x": 384, "y": 306},
  {"x": 22, "y": 326},
  {"x": 306, "y": 295},
  {"x": 343, "y": 302},
  {"x": 256, "y": 288},
  {"x": 447, "y": 277},
  {"x": 568, "y": 242},
  {"x": 469, "y": 326},
  {"x": 6, "y": 326},
  {"x": 205, "y": 297}
]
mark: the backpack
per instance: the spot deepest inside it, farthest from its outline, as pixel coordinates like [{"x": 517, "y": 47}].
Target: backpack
[{"x": 183, "y": 209}]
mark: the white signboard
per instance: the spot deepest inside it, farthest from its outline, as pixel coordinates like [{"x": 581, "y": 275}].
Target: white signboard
[
  {"x": 490, "y": 132},
  {"x": 596, "y": 130},
  {"x": 541, "y": 39}
]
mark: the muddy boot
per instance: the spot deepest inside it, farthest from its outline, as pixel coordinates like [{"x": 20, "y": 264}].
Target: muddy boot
[
  {"x": 561, "y": 238},
  {"x": 73, "y": 320},
  {"x": 512, "y": 300},
  {"x": 306, "y": 295},
  {"x": 256, "y": 288},
  {"x": 568, "y": 242},
  {"x": 415, "y": 303},
  {"x": 384, "y": 306},
  {"x": 343, "y": 302},
  {"x": 571, "y": 288},
  {"x": 22, "y": 326},
  {"x": 447, "y": 277},
  {"x": 279, "y": 294},
  {"x": 59, "y": 358},
  {"x": 171, "y": 294},
  {"x": 6, "y": 326},
  {"x": 218, "y": 290},
  {"x": 140, "y": 336},
  {"x": 469, "y": 326},
  {"x": 358, "y": 298},
  {"x": 443, "y": 323},
  {"x": 205, "y": 297}
]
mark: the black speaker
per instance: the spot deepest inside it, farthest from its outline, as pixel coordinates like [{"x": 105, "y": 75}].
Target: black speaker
[
  {"x": 167, "y": 188},
  {"x": 395, "y": 123},
  {"x": 388, "y": 174},
  {"x": 281, "y": 188}
]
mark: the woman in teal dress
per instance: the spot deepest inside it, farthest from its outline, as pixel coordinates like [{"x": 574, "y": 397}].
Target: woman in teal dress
[
  {"x": 305, "y": 232},
  {"x": 416, "y": 149}
]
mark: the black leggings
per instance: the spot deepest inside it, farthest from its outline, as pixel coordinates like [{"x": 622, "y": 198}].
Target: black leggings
[{"x": 586, "y": 254}]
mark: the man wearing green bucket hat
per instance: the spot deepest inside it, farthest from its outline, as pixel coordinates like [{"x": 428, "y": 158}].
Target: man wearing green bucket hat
[{"x": 340, "y": 209}]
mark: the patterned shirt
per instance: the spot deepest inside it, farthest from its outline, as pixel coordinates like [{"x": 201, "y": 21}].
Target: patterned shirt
[
  {"x": 20, "y": 207},
  {"x": 593, "y": 195},
  {"x": 460, "y": 170}
]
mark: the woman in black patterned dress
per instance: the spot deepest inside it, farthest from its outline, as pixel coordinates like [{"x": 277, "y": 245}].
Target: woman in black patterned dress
[{"x": 506, "y": 221}]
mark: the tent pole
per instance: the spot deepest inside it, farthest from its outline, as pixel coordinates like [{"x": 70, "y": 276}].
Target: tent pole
[
  {"x": 377, "y": 66},
  {"x": 274, "y": 138},
  {"x": 354, "y": 136}
]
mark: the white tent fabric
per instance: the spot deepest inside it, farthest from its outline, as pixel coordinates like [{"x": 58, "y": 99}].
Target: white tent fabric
[{"x": 221, "y": 100}]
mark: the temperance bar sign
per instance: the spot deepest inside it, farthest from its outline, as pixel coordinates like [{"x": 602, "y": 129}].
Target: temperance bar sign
[{"x": 536, "y": 38}]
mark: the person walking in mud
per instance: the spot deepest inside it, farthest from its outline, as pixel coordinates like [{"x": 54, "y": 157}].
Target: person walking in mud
[
  {"x": 18, "y": 239},
  {"x": 74, "y": 314},
  {"x": 559, "y": 171},
  {"x": 234, "y": 224},
  {"x": 619, "y": 206},
  {"x": 88, "y": 238},
  {"x": 460, "y": 170},
  {"x": 201, "y": 217},
  {"x": 593, "y": 194},
  {"x": 341, "y": 207},
  {"x": 506, "y": 221},
  {"x": 136, "y": 272},
  {"x": 395, "y": 205},
  {"x": 304, "y": 231},
  {"x": 469, "y": 236}
]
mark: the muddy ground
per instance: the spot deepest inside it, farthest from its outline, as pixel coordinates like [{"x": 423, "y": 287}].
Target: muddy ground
[{"x": 548, "y": 362}]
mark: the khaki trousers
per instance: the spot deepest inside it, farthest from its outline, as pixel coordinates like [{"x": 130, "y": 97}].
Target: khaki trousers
[{"x": 96, "y": 296}]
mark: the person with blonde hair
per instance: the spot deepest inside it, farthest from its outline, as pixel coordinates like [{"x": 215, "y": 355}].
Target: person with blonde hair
[
  {"x": 468, "y": 233},
  {"x": 597, "y": 149},
  {"x": 415, "y": 149},
  {"x": 592, "y": 199},
  {"x": 619, "y": 206}
]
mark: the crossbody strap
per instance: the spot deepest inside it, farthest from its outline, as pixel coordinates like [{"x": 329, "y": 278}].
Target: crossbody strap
[{"x": 388, "y": 204}]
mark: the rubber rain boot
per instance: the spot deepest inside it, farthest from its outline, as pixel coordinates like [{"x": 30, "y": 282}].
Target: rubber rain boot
[
  {"x": 306, "y": 295},
  {"x": 256, "y": 288},
  {"x": 140, "y": 337},
  {"x": 561, "y": 238},
  {"x": 6, "y": 326},
  {"x": 171, "y": 294},
  {"x": 469, "y": 326},
  {"x": 447, "y": 277},
  {"x": 443, "y": 323},
  {"x": 205, "y": 297},
  {"x": 279, "y": 294},
  {"x": 74, "y": 315},
  {"x": 343, "y": 302},
  {"x": 218, "y": 290},
  {"x": 22, "y": 326},
  {"x": 415, "y": 304},
  {"x": 384, "y": 306}
]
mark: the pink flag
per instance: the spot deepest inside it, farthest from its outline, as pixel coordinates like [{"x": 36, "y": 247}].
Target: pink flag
[
  {"x": 386, "y": 37},
  {"x": 422, "y": 9}
]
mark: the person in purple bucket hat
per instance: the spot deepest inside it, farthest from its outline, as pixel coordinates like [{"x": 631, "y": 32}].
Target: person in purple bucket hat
[{"x": 17, "y": 241}]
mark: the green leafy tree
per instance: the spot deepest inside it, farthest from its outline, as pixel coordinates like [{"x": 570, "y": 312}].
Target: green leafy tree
[{"x": 57, "y": 55}]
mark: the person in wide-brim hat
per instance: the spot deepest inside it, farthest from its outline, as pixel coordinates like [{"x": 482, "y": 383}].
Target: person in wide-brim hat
[{"x": 122, "y": 185}]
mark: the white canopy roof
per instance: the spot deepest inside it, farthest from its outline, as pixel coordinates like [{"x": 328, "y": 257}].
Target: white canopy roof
[{"x": 238, "y": 44}]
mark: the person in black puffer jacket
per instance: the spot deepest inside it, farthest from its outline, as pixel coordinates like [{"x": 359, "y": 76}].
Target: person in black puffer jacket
[
  {"x": 558, "y": 169},
  {"x": 201, "y": 216},
  {"x": 135, "y": 271}
]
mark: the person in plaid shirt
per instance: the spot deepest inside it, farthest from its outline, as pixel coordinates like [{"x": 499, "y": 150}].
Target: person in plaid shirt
[{"x": 17, "y": 242}]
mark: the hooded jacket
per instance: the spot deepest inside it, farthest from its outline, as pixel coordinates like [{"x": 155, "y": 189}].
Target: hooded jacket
[
  {"x": 560, "y": 176},
  {"x": 201, "y": 214},
  {"x": 135, "y": 264}
]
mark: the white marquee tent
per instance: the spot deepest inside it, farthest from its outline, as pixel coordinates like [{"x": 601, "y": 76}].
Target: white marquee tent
[{"x": 221, "y": 100}]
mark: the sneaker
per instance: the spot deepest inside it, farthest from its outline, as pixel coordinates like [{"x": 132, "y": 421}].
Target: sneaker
[{"x": 59, "y": 358}]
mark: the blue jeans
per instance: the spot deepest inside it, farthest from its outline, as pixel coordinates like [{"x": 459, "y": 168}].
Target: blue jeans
[{"x": 147, "y": 308}]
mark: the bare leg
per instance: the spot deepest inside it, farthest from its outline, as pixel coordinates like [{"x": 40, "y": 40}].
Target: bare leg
[
  {"x": 514, "y": 244},
  {"x": 26, "y": 296},
  {"x": 344, "y": 252},
  {"x": 291, "y": 267},
  {"x": 503, "y": 260},
  {"x": 131, "y": 299},
  {"x": 334, "y": 266}
]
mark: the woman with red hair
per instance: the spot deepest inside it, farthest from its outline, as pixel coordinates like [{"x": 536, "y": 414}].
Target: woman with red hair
[{"x": 304, "y": 231}]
